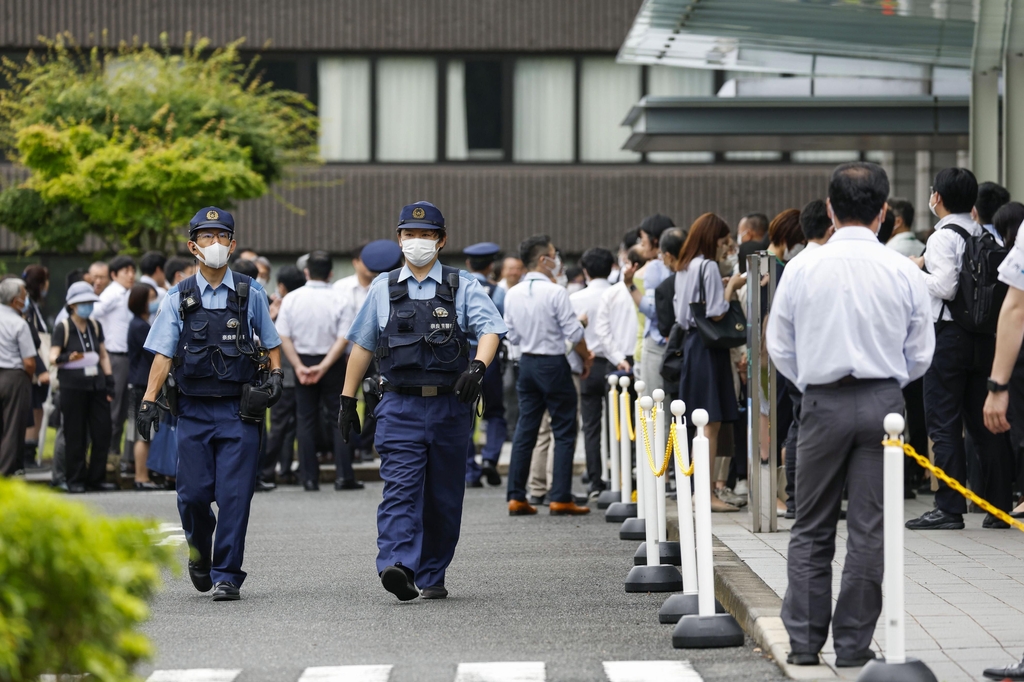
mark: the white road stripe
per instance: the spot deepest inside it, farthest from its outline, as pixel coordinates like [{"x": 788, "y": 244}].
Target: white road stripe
[
  {"x": 347, "y": 673},
  {"x": 651, "y": 671},
  {"x": 194, "y": 675},
  {"x": 513, "y": 671}
]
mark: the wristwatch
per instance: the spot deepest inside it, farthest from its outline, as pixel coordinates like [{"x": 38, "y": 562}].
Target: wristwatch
[
  {"x": 632, "y": 287},
  {"x": 995, "y": 387}
]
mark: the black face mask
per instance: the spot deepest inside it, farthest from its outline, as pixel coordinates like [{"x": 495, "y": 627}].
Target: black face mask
[{"x": 886, "y": 227}]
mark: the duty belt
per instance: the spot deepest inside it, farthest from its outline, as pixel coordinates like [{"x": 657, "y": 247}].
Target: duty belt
[{"x": 424, "y": 391}]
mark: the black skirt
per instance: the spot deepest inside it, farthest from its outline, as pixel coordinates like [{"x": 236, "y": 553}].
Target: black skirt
[{"x": 706, "y": 380}]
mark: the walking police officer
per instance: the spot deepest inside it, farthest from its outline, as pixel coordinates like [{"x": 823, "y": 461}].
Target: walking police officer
[
  {"x": 205, "y": 337},
  {"x": 416, "y": 322}
]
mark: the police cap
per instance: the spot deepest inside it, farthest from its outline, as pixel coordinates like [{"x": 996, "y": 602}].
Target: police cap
[
  {"x": 421, "y": 215},
  {"x": 482, "y": 250},
  {"x": 382, "y": 255},
  {"x": 211, "y": 216}
]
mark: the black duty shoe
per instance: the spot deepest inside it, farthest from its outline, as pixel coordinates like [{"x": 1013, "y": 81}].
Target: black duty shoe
[
  {"x": 348, "y": 484},
  {"x": 475, "y": 484},
  {"x": 310, "y": 486},
  {"x": 802, "y": 659},
  {"x": 856, "y": 660},
  {"x": 490, "y": 472},
  {"x": 790, "y": 514},
  {"x": 436, "y": 592},
  {"x": 102, "y": 487},
  {"x": 76, "y": 488},
  {"x": 909, "y": 494},
  {"x": 148, "y": 485},
  {"x": 537, "y": 500},
  {"x": 1013, "y": 672},
  {"x": 936, "y": 519},
  {"x": 225, "y": 591},
  {"x": 398, "y": 582},
  {"x": 992, "y": 522},
  {"x": 199, "y": 571},
  {"x": 263, "y": 486}
]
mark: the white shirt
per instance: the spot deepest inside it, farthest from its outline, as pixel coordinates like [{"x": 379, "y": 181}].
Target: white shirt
[
  {"x": 350, "y": 292},
  {"x": 15, "y": 339},
  {"x": 314, "y": 318},
  {"x": 539, "y": 316},
  {"x": 943, "y": 260},
  {"x": 1011, "y": 270},
  {"x": 112, "y": 312},
  {"x": 808, "y": 248},
  {"x": 617, "y": 324},
  {"x": 851, "y": 308},
  {"x": 991, "y": 229},
  {"x": 906, "y": 243},
  {"x": 586, "y": 302},
  {"x": 688, "y": 291}
]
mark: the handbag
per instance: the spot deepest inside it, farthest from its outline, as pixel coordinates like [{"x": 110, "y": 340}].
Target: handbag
[
  {"x": 728, "y": 332},
  {"x": 163, "y": 448},
  {"x": 672, "y": 363}
]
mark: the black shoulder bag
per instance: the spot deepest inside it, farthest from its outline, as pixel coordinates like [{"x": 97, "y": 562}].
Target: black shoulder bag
[{"x": 728, "y": 332}]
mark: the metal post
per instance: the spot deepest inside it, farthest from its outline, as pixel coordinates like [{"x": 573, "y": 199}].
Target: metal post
[
  {"x": 773, "y": 425},
  {"x": 754, "y": 389}
]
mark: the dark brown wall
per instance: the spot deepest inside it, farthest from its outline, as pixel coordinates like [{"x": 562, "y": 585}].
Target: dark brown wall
[{"x": 394, "y": 25}]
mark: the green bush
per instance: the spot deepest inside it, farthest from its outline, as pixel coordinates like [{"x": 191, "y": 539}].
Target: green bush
[{"x": 74, "y": 585}]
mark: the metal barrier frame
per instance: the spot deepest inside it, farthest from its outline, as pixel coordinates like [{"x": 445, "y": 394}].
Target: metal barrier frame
[{"x": 762, "y": 264}]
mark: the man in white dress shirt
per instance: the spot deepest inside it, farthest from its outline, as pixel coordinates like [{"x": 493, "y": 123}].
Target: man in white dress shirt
[
  {"x": 849, "y": 326},
  {"x": 955, "y": 385},
  {"x": 112, "y": 312}
]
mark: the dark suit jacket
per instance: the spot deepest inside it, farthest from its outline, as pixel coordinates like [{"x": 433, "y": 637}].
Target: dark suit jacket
[
  {"x": 663, "y": 308},
  {"x": 748, "y": 248}
]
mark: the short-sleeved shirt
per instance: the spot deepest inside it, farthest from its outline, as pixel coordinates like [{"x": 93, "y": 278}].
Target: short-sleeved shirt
[
  {"x": 474, "y": 309},
  {"x": 314, "y": 317},
  {"x": 1011, "y": 270},
  {"x": 688, "y": 291},
  {"x": 88, "y": 341},
  {"x": 163, "y": 336},
  {"x": 15, "y": 339},
  {"x": 139, "y": 359}
]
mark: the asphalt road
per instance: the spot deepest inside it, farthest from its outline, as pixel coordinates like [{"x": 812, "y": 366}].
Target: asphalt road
[{"x": 547, "y": 589}]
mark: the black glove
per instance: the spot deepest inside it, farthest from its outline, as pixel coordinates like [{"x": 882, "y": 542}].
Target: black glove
[
  {"x": 148, "y": 417},
  {"x": 348, "y": 418},
  {"x": 468, "y": 385},
  {"x": 276, "y": 386},
  {"x": 110, "y": 385}
]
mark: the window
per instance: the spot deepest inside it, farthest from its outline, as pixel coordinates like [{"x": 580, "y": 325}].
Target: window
[
  {"x": 672, "y": 81},
  {"x": 474, "y": 105},
  {"x": 544, "y": 119},
  {"x": 407, "y": 109},
  {"x": 344, "y": 86},
  {"x": 607, "y": 92}
]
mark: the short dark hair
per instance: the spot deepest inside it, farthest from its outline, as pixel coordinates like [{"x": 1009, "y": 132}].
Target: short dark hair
[
  {"x": 991, "y": 197},
  {"x": 480, "y": 263},
  {"x": 758, "y": 221},
  {"x": 319, "y": 265},
  {"x": 291, "y": 277},
  {"x": 597, "y": 262},
  {"x": 138, "y": 299},
  {"x": 76, "y": 275},
  {"x": 672, "y": 241},
  {"x": 631, "y": 237},
  {"x": 152, "y": 261},
  {"x": 246, "y": 267},
  {"x": 814, "y": 220},
  {"x": 857, "y": 191},
  {"x": 175, "y": 265},
  {"x": 118, "y": 263},
  {"x": 958, "y": 188},
  {"x": 357, "y": 253},
  {"x": 902, "y": 208},
  {"x": 636, "y": 256},
  {"x": 1007, "y": 221},
  {"x": 531, "y": 249},
  {"x": 654, "y": 225}
]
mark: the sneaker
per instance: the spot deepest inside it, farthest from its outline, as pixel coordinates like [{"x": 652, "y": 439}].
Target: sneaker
[
  {"x": 741, "y": 487},
  {"x": 729, "y": 497}
]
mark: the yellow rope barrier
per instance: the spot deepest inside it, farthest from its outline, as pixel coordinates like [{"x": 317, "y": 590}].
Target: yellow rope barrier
[
  {"x": 954, "y": 484},
  {"x": 629, "y": 422},
  {"x": 679, "y": 458},
  {"x": 615, "y": 416},
  {"x": 670, "y": 447}
]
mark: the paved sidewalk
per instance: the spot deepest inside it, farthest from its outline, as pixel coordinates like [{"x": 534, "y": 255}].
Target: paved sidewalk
[{"x": 964, "y": 589}]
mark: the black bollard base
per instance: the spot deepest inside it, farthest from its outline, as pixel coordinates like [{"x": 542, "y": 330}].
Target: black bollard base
[
  {"x": 620, "y": 511},
  {"x": 679, "y": 605},
  {"x": 669, "y": 551},
  {"x": 608, "y": 497},
  {"x": 911, "y": 671},
  {"x": 707, "y": 632},
  {"x": 654, "y": 579},
  {"x": 633, "y": 529}
]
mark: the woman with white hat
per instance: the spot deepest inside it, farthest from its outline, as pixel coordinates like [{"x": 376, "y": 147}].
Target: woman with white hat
[{"x": 86, "y": 389}]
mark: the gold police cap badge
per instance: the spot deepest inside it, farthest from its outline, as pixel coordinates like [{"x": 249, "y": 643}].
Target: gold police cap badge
[
  {"x": 212, "y": 215},
  {"x": 418, "y": 213}
]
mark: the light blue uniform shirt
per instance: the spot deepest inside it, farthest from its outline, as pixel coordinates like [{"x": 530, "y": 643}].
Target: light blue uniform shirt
[
  {"x": 474, "y": 309},
  {"x": 655, "y": 274},
  {"x": 163, "y": 335}
]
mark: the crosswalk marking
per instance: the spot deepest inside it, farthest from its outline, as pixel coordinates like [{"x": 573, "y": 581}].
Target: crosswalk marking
[
  {"x": 512, "y": 671},
  {"x": 194, "y": 675},
  {"x": 170, "y": 534},
  {"x": 649, "y": 671},
  {"x": 347, "y": 673}
]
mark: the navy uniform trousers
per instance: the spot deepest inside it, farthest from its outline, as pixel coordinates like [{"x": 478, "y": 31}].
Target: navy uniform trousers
[
  {"x": 422, "y": 444},
  {"x": 218, "y": 458}
]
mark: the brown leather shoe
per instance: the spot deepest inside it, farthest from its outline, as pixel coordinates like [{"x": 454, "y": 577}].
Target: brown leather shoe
[
  {"x": 567, "y": 509},
  {"x": 520, "y": 508}
]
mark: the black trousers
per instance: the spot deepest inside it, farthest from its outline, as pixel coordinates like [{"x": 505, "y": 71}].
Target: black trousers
[
  {"x": 593, "y": 396},
  {"x": 86, "y": 416},
  {"x": 913, "y": 396},
  {"x": 954, "y": 397},
  {"x": 281, "y": 441},
  {"x": 15, "y": 403},
  {"x": 307, "y": 403}
]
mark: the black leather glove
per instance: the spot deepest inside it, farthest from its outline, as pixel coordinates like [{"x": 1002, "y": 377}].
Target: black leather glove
[
  {"x": 348, "y": 418},
  {"x": 147, "y": 418},
  {"x": 468, "y": 385},
  {"x": 276, "y": 386},
  {"x": 109, "y": 378}
]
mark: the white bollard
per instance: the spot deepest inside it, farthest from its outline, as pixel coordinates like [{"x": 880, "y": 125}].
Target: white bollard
[
  {"x": 659, "y": 450},
  {"x": 613, "y": 445},
  {"x": 625, "y": 445},
  {"x": 641, "y": 480},
  {"x": 650, "y": 500}
]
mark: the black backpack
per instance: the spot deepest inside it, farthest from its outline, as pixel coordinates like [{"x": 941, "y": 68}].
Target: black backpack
[{"x": 979, "y": 293}]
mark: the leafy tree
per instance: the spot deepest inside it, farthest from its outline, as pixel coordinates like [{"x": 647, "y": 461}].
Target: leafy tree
[{"x": 127, "y": 144}]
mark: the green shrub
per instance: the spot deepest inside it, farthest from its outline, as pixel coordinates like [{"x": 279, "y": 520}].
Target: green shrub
[{"x": 74, "y": 585}]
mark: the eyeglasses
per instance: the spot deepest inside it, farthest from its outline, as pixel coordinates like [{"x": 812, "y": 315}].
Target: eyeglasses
[{"x": 210, "y": 237}]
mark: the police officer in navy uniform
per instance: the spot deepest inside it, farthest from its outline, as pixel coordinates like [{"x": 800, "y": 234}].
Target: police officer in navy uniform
[
  {"x": 212, "y": 336},
  {"x": 480, "y": 263},
  {"x": 416, "y": 322}
]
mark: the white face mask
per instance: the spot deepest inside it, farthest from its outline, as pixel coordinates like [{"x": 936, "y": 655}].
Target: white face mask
[
  {"x": 573, "y": 287},
  {"x": 419, "y": 252},
  {"x": 931, "y": 207},
  {"x": 728, "y": 265},
  {"x": 213, "y": 256},
  {"x": 263, "y": 281},
  {"x": 789, "y": 254},
  {"x": 557, "y": 271},
  {"x": 562, "y": 280}
]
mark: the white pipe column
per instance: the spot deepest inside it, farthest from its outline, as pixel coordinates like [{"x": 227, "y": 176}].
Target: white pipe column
[
  {"x": 658, "y": 448},
  {"x": 625, "y": 450},
  {"x": 641, "y": 480},
  {"x": 646, "y": 474},
  {"x": 684, "y": 501},
  {"x": 702, "y": 493},
  {"x": 613, "y": 446},
  {"x": 895, "y": 641}
]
